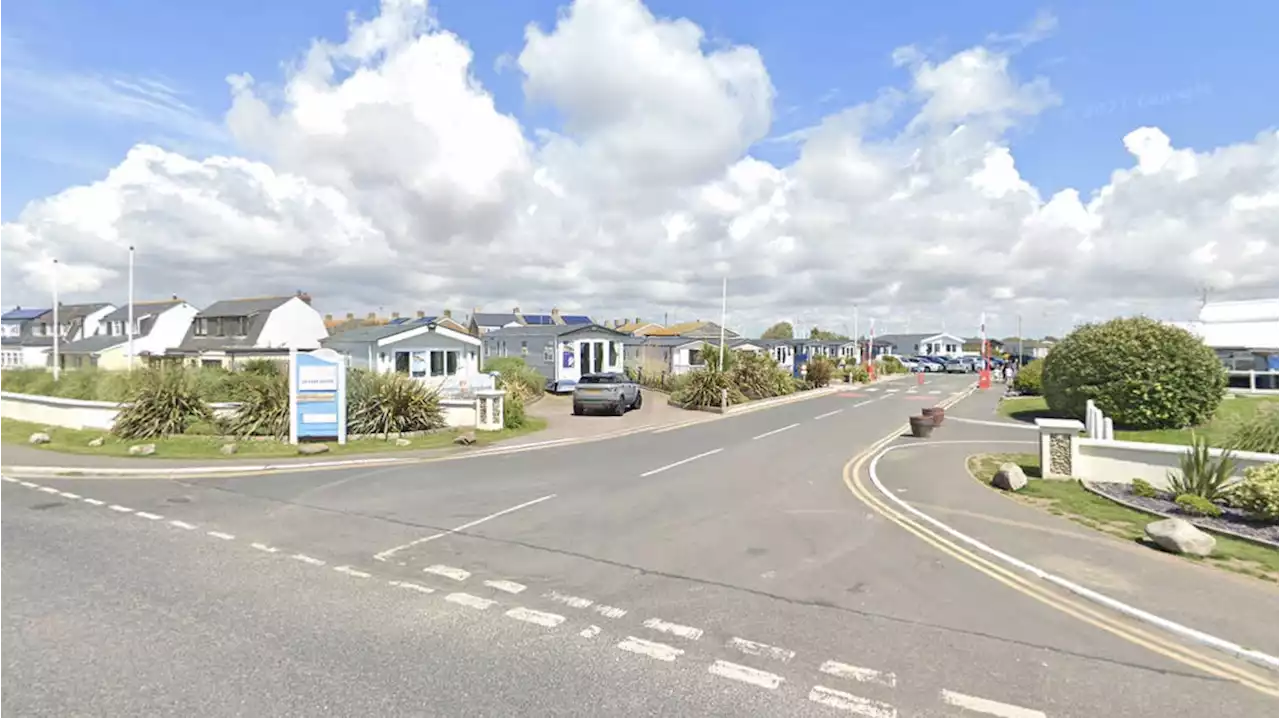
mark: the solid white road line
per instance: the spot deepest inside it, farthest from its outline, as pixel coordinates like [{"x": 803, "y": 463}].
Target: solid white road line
[
  {"x": 863, "y": 403},
  {"x": 862, "y": 675},
  {"x": 506, "y": 586},
  {"x": 571, "y": 601},
  {"x": 264, "y": 547},
  {"x": 589, "y": 632},
  {"x": 674, "y": 629},
  {"x": 220, "y": 535},
  {"x": 660, "y": 651},
  {"x": 121, "y": 509},
  {"x": 179, "y": 524},
  {"x": 746, "y": 674},
  {"x": 457, "y": 574},
  {"x": 681, "y": 462},
  {"x": 94, "y": 502},
  {"x": 751, "y": 648},
  {"x": 982, "y": 705},
  {"x": 387, "y": 554},
  {"x": 409, "y": 585},
  {"x": 351, "y": 572},
  {"x": 528, "y": 615},
  {"x": 466, "y": 599},
  {"x": 829, "y": 413},
  {"x": 148, "y": 516},
  {"x": 775, "y": 431},
  {"x": 610, "y": 611},
  {"x": 307, "y": 559},
  {"x": 853, "y": 704}
]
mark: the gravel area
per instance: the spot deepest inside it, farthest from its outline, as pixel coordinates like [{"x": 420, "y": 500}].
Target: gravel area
[{"x": 1232, "y": 520}]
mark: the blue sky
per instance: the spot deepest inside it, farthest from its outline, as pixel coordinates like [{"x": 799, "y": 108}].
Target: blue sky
[{"x": 1207, "y": 77}]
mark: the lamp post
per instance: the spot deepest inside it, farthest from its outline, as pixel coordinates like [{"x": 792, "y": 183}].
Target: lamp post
[
  {"x": 724, "y": 314},
  {"x": 56, "y": 332},
  {"x": 130, "y": 318}
]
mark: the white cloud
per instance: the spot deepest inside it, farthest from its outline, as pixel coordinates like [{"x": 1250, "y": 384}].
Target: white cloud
[{"x": 385, "y": 176}]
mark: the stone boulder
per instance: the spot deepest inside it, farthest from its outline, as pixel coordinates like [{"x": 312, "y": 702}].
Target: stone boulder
[
  {"x": 1181, "y": 537},
  {"x": 309, "y": 449},
  {"x": 1009, "y": 477},
  {"x": 97, "y": 442},
  {"x": 228, "y": 449},
  {"x": 40, "y": 438},
  {"x": 142, "y": 449},
  {"x": 466, "y": 439}
]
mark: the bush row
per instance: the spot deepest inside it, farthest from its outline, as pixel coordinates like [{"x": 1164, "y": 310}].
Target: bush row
[
  {"x": 213, "y": 384},
  {"x": 746, "y": 376}
]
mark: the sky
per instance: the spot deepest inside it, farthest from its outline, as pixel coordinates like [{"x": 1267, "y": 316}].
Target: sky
[{"x": 926, "y": 164}]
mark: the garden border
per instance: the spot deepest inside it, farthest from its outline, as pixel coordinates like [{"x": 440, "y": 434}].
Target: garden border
[{"x": 1189, "y": 519}]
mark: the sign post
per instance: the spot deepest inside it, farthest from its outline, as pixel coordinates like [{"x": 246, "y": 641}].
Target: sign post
[
  {"x": 317, "y": 395},
  {"x": 984, "y": 374}
]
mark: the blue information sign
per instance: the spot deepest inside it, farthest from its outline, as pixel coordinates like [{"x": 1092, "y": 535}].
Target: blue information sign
[{"x": 318, "y": 395}]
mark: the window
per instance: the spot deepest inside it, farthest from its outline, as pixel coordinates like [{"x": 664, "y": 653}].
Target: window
[
  {"x": 418, "y": 365},
  {"x": 11, "y": 359},
  {"x": 202, "y": 327},
  {"x": 402, "y": 363},
  {"x": 239, "y": 326},
  {"x": 613, "y": 354},
  {"x": 444, "y": 362},
  {"x": 695, "y": 357},
  {"x": 524, "y": 348},
  {"x": 549, "y": 352}
]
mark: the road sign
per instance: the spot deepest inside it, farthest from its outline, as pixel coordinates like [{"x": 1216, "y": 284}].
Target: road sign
[{"x": 317, "y": 395}]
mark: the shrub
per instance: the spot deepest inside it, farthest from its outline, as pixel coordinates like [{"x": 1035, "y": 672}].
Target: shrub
[
  {"x": 757, "y": 376},
  {"x": 859, "y": 374},
  {"x": 1202, "y": 474},
  {"x": 1259, "y": 493},
  {"x": 1197, "y": 506},
  {"x": 1142, "y": 373},
  {"x": 390, "y": 403},
  {"x": 264, "y": 405},
  {"x": 513, "y": 415},
  {"x": 166, "y": 403},
  {"x": 263, "y": 367},
  {"x": 1029, "y": 379},
  {"x": 517, "y": 377},
  {"x": 1140, "y": 487},
  {"x": 1260, "y": 432},
  {"x": 889, "y": 365},
  {"x": 820, "y": 372},
  {"x": 703, "y": 387}
]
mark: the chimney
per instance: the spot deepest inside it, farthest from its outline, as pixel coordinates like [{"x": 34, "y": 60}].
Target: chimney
[
  {"x": 303, "y": 296},
  {"x": 328, "y": 317},
  {"x": 421, "y": 314},
  {"x": 555, "y": 313},
  {"x": 448, "y": 314},
  {"x": 515, "y": 310},
  {"x": 637, "y": 320},
  {"x": 175, "y": 298},
  {"x": 373, "y": 315},
  {"x": 351, "y": 315},
  {"x": 395, "y": 315},
  {"x": 475, "y": 310}
]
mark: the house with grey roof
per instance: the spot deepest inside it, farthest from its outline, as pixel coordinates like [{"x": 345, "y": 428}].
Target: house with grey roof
[
  {"x": 435, "y": 351},
  {"x": 28, "y": 339},
  {"x": 561, "y": 352},
  {"x": 484, "y": 322},
  {"x": 937, "y": 345},
  {"x": 234, "y": 330},
  {"x": 158, "y": 328},
  {"x": 20, "y": 347}
]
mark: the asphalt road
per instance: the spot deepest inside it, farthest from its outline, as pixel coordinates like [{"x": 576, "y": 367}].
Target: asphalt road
[{"x": 717, "y": 569}]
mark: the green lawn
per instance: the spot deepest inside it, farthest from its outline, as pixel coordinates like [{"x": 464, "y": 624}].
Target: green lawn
[
  {"x": 76, "y": 441},
  {"x": 1071, "y": 500},
  {"x": 1232, "y": 411}
]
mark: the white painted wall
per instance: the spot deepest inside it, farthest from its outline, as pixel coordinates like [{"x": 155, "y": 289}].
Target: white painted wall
[
  {"x": 36, "y": 357},
  {"x": 1123, "y": 461},
  {"x": 170, "y": 327},
  {"x": 93, "y": 323},
  {"x": 293, "y": 324},
  {"x": 468, "y": 374},
  {"x": 70, "y": 413}
]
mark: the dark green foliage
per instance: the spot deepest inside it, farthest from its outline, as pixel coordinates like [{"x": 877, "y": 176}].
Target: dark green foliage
[
  {"x": 781, "y": 330},
  {"x": 1030, "y": 379},
  {"x": 166, "y": 402},
  {"x": 703, "y": 387},
  {"x": 821, "y": 371},
  {"x": 390, "y": 403},
  {"x": 513, "y": 414},
  {"x": 1142, "y": 373},
  {"x": 516, "y": 377},
  {"x": 1202, "y": 474},
  {"x": 263, "y": 367},
  {"x": 264, "y": 405},
  {"x": 1193, "y": 505},
  {"x": 759, "y": 377},
  {"x": 1260, "y": 432}
]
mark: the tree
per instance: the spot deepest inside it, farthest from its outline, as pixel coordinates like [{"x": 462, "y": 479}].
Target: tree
[
  {"x": 781, "y": 330},
  {"x": 826, "y": 336}
]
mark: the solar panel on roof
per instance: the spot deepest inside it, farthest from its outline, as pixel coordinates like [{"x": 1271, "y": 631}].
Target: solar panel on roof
[
  {"x": 24, "y": 313},
  {"x": 576, "y": 319},
  {"x": 398, "y": 320},
  {"x": 424, "y": 320},
  {"x": 538, "y": 319}
]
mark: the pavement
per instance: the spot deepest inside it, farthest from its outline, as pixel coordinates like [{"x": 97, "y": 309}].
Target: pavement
[{"x": 716, "y": 568}]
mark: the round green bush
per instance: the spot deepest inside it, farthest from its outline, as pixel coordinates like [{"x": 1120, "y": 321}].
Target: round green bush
[
  {"x": 1142, "y": 373},
  {"x": 1030, "y": 379}
]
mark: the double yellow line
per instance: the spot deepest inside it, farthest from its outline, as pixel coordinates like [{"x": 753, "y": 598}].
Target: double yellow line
[{"x": 1067, "y": 604}]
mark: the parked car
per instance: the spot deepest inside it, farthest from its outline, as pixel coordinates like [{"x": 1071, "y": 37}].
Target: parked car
[
  {"x": 958, "y": 366},
  {"x": 612, "y": 392},
  {"x": 931, "y": 363}
]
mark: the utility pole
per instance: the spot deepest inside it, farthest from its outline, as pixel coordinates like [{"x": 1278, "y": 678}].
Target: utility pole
[
  {"x": 724, "y": 315},
  {"x": 56, "y": 332},
  {"x": 130, "y": 308},
  {"x": 857, "y": 338},
  {"x": 1020, "y": 354}
]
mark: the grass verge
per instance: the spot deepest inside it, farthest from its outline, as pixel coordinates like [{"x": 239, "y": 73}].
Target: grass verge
[
  {"x": 1071, "y": 500},
  {"x": 1233, "y": 411},
  {"x": 76, "y": 441}
]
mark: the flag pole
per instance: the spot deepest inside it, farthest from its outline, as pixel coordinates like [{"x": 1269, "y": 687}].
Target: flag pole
[
  {"x": 131, "y": 307},
  {"x": 56, "y": 332},
  {"x": 724, "y": 312}
]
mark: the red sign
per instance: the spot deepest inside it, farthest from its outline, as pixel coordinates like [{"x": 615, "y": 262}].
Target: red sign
[{"x": 984, "y": 379}]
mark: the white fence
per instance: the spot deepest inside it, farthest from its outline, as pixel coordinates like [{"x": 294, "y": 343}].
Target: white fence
[
  {"x": 1270, "y": 381},
  {"x": 1099, "y": 456}
]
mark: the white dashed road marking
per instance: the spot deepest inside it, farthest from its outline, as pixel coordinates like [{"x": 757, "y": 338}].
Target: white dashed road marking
[
  {"x": 872, "y": 389},
  {"x": 891, "y": 391},
  {"x": 660, "y": 651},
  {"x": 121, "y": 509},
  {"x": 466, "y": 599},
  {"x": 69, "y": 495},
  {"x": 95, "y": 502},
  {"x": 456, "y": 574},
  {"x": 10, "y": 479},
  {"x": 412, "y": 586},
  {"x": 351, "y": 572},
  {"x": 829, "y": 413},
  {"x": 28, "y": 484},
  {"x": 863, "y": 403},
  {"x": 148, "y": 516},
  {"x": 936, "y": 391},
  {"x": 506, "y": 586},
  {"x": 590, "y": 632},
  {"x": 751, "y": 648},
  {"x": 264, "y": 547},
  {"x": 570, "y": 601},
  {"x": 681, "y": 462},
  {"x": 856, "y": 673},
  {"x": 179, "y": 524},
  {"x": 982, "y": 705},
  {"x": 674, "y": 629},
  {"x": 851, "y": 703},
  {"x": 220, "y": 535},
  {"x": 746, "y": 674},
  {"x": 528, "y": 615},
  {"x": 307, "y": 559},
  {"x": 775, "y": 431},
  {"x": 48, "y": 489},
  {"x": 610, "y": 611}
]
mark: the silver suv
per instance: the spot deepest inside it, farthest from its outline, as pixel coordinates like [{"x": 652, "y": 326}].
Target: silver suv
[{"x": 612, "y": 392}]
